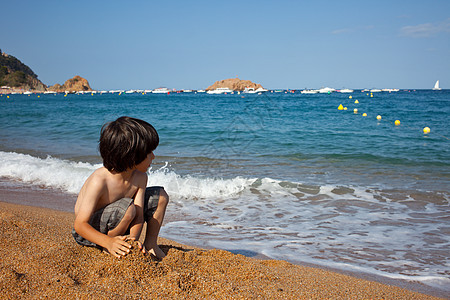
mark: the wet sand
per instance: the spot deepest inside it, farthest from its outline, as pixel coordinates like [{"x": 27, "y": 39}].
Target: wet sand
[{"x": 38, "y": 258}]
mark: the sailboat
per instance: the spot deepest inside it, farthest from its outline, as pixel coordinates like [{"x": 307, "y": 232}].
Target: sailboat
[{"x": 436, "y": 86}]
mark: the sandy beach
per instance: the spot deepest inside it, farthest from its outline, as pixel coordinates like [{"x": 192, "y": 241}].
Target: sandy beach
[{"x": 38, "y": 258}]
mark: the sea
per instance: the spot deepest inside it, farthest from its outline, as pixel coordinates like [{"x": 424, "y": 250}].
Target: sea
[{"x": 280, "y": 174}]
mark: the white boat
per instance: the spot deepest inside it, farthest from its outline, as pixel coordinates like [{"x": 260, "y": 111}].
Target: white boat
[
  {"x": 436, "y": 86},
  {"x": 345, "y": 91},
  {"x": 201, "y": 91},
  {"x": 261, "y": 90},
  {"x": 309, "y": 92},
  {"x": 326, "y": 90},
  {"x": 220, "y": 91},
  {"x": 375, "y": 90},
  {"x": 248, "y": 90},
  {"x": 390, "y": 90},
  {"x": 27, "y": 93},
  {"x": 161, "y": 90}
]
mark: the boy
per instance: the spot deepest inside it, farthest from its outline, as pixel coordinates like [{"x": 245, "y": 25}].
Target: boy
[{"x": 114, "y": 201}]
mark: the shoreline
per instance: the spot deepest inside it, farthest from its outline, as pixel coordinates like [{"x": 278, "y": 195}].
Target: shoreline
[{"x": 23, "y": 200}]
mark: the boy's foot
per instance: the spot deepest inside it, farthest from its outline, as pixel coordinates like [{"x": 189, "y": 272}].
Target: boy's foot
[{"x": 156, "y": 251}]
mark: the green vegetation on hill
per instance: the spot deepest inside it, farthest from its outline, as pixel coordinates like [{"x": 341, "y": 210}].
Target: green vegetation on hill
[{"x": 14, "y": 73}]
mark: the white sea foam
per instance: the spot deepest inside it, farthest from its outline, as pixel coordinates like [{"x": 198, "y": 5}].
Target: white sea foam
[
  {"x": 197, "y": 188},
  {"x": 70, "y": 176},
  {"x": 347, "y": 227},
  {"x": 50, "y": 172}
]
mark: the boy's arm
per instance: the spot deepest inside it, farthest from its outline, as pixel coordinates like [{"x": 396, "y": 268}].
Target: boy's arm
[
  {"x": 89, "y": 198},
  {"x": 138, "y": 222}
]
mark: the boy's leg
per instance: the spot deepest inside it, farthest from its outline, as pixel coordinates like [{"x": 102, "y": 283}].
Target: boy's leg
[
  {"x": 107, "y": 219},
  {"x": 156, "y": 202},
  {"x": 124, "y": 224}
]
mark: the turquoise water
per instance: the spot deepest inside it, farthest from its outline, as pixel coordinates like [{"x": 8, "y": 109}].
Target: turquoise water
[{"x": 283, "y": 174}]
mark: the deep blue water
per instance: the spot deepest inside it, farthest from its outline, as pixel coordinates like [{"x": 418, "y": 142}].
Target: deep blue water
[{"x": 285, "y": 174}]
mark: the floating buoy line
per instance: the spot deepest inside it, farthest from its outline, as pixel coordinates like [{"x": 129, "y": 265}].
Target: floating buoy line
[{"x": 426, "y": 130}]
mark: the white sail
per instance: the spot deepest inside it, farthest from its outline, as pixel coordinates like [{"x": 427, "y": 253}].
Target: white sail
[{"x": 436, "y": 86}]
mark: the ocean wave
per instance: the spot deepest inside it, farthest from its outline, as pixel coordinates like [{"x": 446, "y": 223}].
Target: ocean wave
[
  {"x": 69, "y": 176},
  {"x": 50, "y": 172}
]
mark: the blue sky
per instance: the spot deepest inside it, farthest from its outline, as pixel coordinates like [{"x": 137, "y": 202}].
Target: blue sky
[{"x": 192, "y": 44}]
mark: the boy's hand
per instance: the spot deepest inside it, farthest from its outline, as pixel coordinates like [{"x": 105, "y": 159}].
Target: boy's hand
[
  {"x": 118, "y": 247},
  {"x": 141, "y": 247}
]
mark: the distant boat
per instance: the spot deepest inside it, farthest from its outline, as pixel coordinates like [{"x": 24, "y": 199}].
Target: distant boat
[
  {"x": 309, "y": 91},
  {"x": 261, "y": 90},
  {"x": 436, "y": 86},
  {"x": 248, "y": 90},
  {"x": 345, "y": 91},
  {"x": 326, "y": 90},
  {"x": 161, "y": 90},
  {"x": 220, "y": 91}
]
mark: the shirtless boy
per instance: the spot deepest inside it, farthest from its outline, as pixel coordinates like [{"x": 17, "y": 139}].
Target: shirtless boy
[{"x": 114, "y": 202}]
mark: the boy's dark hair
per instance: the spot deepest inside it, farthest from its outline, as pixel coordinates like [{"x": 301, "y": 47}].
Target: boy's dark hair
[{"x": 126, "y": 142}]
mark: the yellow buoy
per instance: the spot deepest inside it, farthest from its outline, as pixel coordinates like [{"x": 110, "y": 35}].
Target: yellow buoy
[
  {"x": 350, "y": 97},
  {"x": 340, "y": 107},
  {"x": 378, "y": 117},
  {"x": 364, "y": 115},
  {"x": 345, "y": 108},
  {"x": 7, "y": 96},
  {"x": 356, "y": 101},
  {"x": 397, "y": 122},
  {"x": 371, "y": 95},
  {"x": 426, "y": 130},
  {"x": 355, "y": 111}
]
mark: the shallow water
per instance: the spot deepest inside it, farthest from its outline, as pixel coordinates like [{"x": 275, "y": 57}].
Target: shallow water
[{"x": 286, "y": 175}]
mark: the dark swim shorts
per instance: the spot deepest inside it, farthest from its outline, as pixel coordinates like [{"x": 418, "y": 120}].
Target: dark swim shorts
[{"x": 109, "y": 217}]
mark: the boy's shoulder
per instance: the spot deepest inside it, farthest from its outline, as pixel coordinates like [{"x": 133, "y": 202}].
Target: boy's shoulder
[
  {"x": 101, "y": 173},
  {"x": 99, "y": 176}
]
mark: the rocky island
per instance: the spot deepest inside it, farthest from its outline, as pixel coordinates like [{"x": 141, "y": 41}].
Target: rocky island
[
  {"x": 76, "y": 84},
  {"x": 234, "y": 84}
]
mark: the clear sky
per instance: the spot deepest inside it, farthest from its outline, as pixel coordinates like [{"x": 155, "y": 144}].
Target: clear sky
[{"x": 191, "y": 44}]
